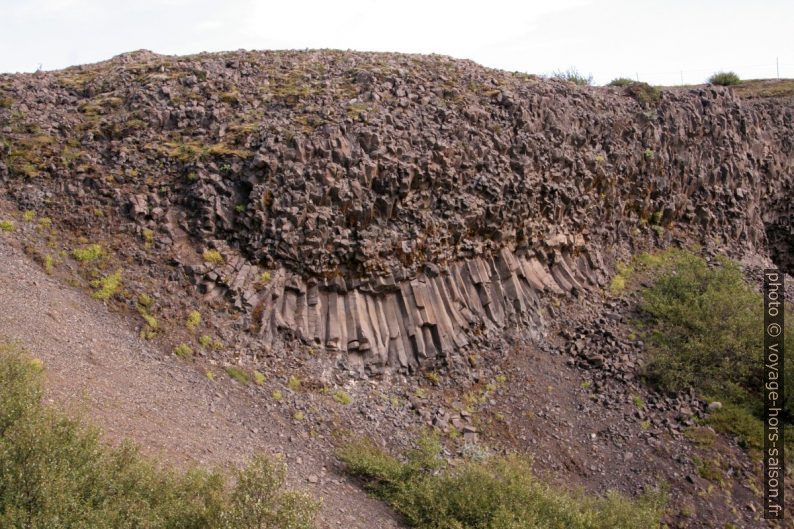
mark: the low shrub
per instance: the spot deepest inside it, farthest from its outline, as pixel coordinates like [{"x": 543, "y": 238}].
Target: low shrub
[
  {"x": 706, "y": 333},
  {"x": 496, "y": 493},
  {"x": 56, "y": 472},
  {"x": 724, "y": 79},
  {"x": 645, "y": 94},
  {"x": 621, "y": 81}
]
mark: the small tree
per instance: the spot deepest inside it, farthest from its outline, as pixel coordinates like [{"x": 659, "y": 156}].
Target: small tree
[{"x": 724, "y": 79}]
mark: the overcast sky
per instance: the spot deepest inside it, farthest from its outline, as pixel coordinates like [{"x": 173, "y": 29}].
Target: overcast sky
[{"x": 657, "y": 41}]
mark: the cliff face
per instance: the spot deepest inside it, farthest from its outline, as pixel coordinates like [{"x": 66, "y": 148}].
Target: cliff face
[{"x": 401, "y": 204}]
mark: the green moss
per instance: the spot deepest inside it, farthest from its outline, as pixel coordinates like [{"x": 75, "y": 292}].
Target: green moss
[
  {"x": 205, "y": 340},
  {"x": 259, "y": 378},
  {"x": 7, "y": 225},
  {"x": 294, "y": 383},
  {"x": 277, "y": 395}
]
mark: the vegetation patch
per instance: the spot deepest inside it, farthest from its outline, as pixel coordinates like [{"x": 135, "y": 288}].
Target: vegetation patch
[
  {"x": 238, "y": 374},
  {"x": 183, "y": 350},
  {"x": 56, "y": 472},
  {"x": 7, "y": 225},
  {"x": 90, "y": 253},
  {"x": 705, "y": 332},
  {"x": 193, "y": 320},
  {"x": 645, "y": 94},
  {"x": 572, "y": 75},
  {"x": 342, "y": 398},
  {"x": 107, "y": 286},
  {"x": 212, "y": 256},
  {"x": 621, "y": 81},
  {"x": 724, "y": 79},
  {"x": 496, "y": 492}
]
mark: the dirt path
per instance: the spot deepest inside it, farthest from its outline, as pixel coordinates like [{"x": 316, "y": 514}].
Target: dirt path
[{"x": 97, "y": 364}]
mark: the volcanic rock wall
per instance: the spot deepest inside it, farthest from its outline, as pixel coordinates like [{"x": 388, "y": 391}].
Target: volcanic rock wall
[
  {"x": 402, "y": 322},
  {"x": 401, "y": 203}
]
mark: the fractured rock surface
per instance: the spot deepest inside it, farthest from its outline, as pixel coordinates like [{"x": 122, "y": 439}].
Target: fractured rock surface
[
  {"x": 402, "y": 204},
  {"x": 403, "y": 322}
]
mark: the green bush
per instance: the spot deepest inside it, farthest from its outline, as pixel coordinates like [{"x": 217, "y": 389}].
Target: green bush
[
  {"x": 573, "y": 76},
  {"x": 707, "y": 334},
  {"x": 498, "y": 493},
  {"x": 724, "y": 79},
  {"x": 621, "y": 81},
  {"x": 55, "y": 472}
]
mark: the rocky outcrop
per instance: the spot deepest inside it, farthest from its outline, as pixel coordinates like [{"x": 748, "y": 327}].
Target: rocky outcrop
[
  {"x": 402, "y": 322},
  {"x": 400, "y": 203}
]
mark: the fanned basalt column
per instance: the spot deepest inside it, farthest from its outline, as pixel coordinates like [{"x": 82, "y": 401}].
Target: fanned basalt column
[{"x": 404, "y": 322}]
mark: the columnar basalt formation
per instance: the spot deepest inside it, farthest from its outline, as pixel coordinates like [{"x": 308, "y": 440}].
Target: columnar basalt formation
[
  {"x": 397, "y": 321},
  {"x": 401, "y": 203}
]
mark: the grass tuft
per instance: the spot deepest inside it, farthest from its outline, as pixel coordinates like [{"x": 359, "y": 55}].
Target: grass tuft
[
  {"x": 183, "y": 350},
  {"x": 106, "y": 286},
  {"x": 90, "y": 253},
  {"x": 238, "y": 374},
  {"x": 193, "y": 320},
  {"x": 212, "y": 256},
  {"x": 342, "y": 398}
]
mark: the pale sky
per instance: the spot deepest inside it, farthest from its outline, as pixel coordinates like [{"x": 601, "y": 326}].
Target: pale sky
[{"x": 660, "y": 42}]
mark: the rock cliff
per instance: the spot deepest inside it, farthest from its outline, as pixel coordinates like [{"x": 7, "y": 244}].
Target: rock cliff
[{"x": 392, "y": 207}]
